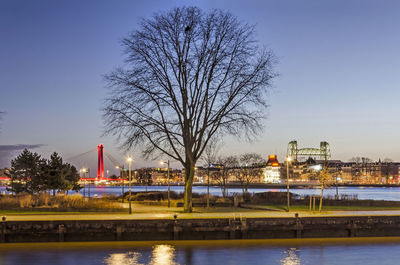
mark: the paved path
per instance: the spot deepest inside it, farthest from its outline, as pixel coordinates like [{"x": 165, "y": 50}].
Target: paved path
[{"x": 248, "y": 214}]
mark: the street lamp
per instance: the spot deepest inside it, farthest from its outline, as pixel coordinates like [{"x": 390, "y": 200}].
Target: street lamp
[
  {"x": 122, "y": 179},
  {"x": 288, "y": 159},
  {"x": 169, "y": 200},
  {"x": 89, "y": 183},
  {"x": 83, "y": 170},
  {"x": 84, "y": 183},
  {"x": 130, "y": 184}
]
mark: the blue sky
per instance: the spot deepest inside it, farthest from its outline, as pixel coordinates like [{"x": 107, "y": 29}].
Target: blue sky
[{"x": 339, "y": 65}]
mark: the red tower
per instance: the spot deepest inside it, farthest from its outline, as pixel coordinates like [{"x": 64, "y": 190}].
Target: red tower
[{"x": 100, "y": 164}]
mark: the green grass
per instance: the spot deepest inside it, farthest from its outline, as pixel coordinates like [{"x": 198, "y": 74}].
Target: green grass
[{"x": 333, "y": 208}]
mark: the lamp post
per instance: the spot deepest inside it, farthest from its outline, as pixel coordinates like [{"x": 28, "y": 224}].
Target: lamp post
[
  {"x": 122, "y": 180},
  {"x": 130, "y": 183},
  {"x": 169, "y": 199},
  {"x": 288, "y": 159},
  {"x": 208, "y": 186},
  {"x": 89, "y": 183},
  {"x": 83, "y": 170}
]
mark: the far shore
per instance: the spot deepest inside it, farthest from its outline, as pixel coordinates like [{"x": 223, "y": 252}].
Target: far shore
[
  {"x": 278, "y": 185},
  {"x": 294, "y": 185}
]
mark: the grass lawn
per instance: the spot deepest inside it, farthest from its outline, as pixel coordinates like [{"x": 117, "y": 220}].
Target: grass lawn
[{"x": 332, "y": 208}]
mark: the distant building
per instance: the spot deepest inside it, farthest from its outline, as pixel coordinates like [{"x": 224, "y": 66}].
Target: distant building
[{"x": 272, "y": 170}]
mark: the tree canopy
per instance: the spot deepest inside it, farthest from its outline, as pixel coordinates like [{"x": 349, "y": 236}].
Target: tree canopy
[
  {"x": 31, "y": 173},
  {"x": 188, "y": 76}
]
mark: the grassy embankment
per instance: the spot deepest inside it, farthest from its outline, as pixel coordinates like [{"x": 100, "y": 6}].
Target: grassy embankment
[{"x": 152, "y": 203}]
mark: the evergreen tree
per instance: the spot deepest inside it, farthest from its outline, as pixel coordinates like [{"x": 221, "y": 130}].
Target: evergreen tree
[
  {"x": 69, "y": 178},
  {"x": 33, "y": 174},
  {"x": 52, "y": 172},
  {"x": 26, "y": 173},
  {"x": 60, "y": 176}
]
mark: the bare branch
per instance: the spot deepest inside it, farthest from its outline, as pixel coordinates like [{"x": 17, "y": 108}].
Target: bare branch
[{"x": 188, "y": 77}]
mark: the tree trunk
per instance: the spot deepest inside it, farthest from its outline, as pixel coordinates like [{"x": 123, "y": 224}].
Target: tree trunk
[{"x": 189, "y": 175}]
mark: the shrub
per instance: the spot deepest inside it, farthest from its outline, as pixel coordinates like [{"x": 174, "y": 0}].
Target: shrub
[{"x": 75, "y": 201}]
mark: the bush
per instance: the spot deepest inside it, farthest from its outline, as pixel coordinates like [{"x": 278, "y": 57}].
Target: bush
[{"x": 44, "y": 200}]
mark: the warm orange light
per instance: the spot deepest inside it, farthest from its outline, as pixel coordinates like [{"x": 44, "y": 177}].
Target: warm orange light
[
  {"x": 275, "y": 164},
  {"x": 272, "y": 156}
]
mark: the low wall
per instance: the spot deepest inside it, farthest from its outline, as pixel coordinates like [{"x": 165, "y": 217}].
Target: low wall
[{"x": 198, "y": 229}]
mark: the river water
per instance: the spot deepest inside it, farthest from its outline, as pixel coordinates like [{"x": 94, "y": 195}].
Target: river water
[
  {"x": 284, "y": 252},
  {"x": 363, "y": 193}
]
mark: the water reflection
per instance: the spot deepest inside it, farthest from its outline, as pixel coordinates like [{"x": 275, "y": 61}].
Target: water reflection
[
  {"x": 161, "y": 255},
  {"x": 363, "y": 193},
  {"x": 130, "y": 258},
  {"x": 291, "y": 257}
]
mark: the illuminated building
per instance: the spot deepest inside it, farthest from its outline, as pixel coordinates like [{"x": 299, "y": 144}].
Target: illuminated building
[{"x": 272, "y": 170}]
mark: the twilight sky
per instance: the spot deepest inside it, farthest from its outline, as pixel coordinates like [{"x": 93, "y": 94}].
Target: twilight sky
[{"x": 339, "y": 65}]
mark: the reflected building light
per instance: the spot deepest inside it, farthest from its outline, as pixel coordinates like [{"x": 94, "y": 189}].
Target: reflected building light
[
  {"x": 291, "y": 257},
  {"x": 163, "y": 255},
  {"x": 130, "y": 258}
]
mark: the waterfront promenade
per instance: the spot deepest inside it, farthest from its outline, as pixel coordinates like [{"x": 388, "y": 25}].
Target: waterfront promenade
[{"x": 144, "y": 212}]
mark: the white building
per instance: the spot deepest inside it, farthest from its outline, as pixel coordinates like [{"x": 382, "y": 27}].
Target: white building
[{"x": 272, "y": 173}]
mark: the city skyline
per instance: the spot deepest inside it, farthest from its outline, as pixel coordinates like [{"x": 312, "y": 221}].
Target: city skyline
[{"x": 337, "y": 66}]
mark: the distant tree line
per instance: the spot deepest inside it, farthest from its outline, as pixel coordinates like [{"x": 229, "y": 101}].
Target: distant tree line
[
  {"x": 33, "y": 174},
  {"x": 245, "y": 168}
]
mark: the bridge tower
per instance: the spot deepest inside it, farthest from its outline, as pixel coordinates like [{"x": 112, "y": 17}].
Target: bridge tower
[
  {"x": 100, "y": 163},
  {"x": 323, "y": 153}
]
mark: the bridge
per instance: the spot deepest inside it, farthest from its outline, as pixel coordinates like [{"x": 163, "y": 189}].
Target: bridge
[
  {"x": 324, "y": 152},
  {"x": 100, "y": 150}
]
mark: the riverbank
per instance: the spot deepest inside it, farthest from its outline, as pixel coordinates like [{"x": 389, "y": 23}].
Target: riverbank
[
  {"x": 157, "y": 222},
  {"x": 178, "y": 228}
]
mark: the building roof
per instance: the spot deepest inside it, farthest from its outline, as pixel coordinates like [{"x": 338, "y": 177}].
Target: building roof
[{"x": 273, "y": 161}]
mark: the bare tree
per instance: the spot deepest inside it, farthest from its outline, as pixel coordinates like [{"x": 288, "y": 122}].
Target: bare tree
[
  {"x": 355, "y": 159},
  {"x": 250, "y": 169},
  {"x": 227, "y": 166},
  {"x": 188, "y": 76},
  {"x": 209, "y": 158}
]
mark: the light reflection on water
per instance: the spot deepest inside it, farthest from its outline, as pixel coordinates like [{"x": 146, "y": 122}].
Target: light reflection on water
[
  {"x": 129, "y": 258},
  {"x": 291, "y": 257},
  {"x": 293, "y": 252},
  {"x": 161, "y": 255}
]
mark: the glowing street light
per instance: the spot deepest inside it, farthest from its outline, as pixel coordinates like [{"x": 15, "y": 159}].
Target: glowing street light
[
  {"x": 288, "y": 159},
  {"x": 169, "y": 200},
  {"x": 83, "y": 170},
  {"x": 122, "y": 169},
  {"x": 130, "y": 184}
]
